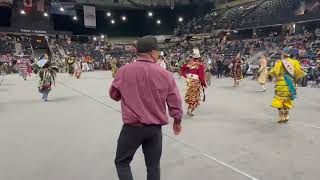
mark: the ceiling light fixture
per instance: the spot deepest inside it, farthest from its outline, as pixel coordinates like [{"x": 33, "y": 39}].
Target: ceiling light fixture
[{"x": 22, "y": 12}]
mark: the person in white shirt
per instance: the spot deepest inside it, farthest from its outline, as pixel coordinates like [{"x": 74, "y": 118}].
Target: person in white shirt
[
  {"x": 162, "y": 61},
  {"x": 163, "y": 64}
]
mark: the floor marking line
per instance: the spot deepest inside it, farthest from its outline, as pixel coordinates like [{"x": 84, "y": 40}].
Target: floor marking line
[
  {"x": 97, "y": 101},
  {"x": 102, "y": 103},
  {"x": 229, "y": 166},
  {"x": 191, "y": 147},
  {"x": 186, "y": 145},
  {"x": 209, "y": 156}
]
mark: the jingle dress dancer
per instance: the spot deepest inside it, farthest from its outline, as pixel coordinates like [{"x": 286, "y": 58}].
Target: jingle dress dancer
[
  {"x": 263, "y": 73},
  {"x": 114, "y": 67},
  {"x": 236, "y": 71},
  {"x": 23, "y": 68},
  {"x": 194, "y": 72},
  {"x": 286, "y": 72},
  {"x": 70, "y": 65}
]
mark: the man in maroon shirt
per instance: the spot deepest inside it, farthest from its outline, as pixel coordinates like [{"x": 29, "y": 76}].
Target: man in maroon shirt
[{"x": 144, "y": 89}]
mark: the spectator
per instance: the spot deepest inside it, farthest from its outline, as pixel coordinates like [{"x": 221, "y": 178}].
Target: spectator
[
  {"x": 137, "y": 86},
  {"x": 219, "y": 68}
]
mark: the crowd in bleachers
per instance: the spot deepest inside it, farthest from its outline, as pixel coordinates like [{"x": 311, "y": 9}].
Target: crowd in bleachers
[
  {"x": 93, "y": 49},
  {"x": 6, "y": 44},
  {"x": 12, "y": 49},
  {"x": 26, "y": 45},
  {"x": 214, "y": 50},
  {"x": 216, "y": 53},
  {"x": 219, "y": 19},
  {"x": 94, "y": 54},
  {"x": 251, "y": 14}
]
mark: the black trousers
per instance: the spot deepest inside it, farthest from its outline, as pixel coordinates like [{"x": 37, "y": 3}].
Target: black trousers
[
  {"x": 220, "y": 73},
  {"x": 130, "y": 139}
]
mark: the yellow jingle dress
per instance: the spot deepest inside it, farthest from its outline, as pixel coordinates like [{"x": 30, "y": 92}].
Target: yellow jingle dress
[
  {"x": 114, "y": 67},
  {"x": 284, "y": 93}
]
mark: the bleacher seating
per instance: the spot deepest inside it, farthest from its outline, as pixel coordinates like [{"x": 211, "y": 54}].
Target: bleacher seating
[
  {"x": 26, "y": 45},
  {"x": 234, "y": 15},
  {"x": 6, "y": 44},
  {"x": 270, "y": 10},
  {"x": 251, "y": 14}
]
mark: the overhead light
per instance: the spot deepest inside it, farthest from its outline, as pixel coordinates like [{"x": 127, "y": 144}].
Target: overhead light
[
  {"x": 180, "y": 19},
  {"x": 45, "y": 14},
  {"x": 113, "y": 21},
  {"x": 241, "y": 7},
  {"x": 158, "y": 21},
  {"x": 102, "y": 36},
  {"x": 124, "y": 18},
  {"x": 22, "y": 12},
  {"x": 94, "y": 38},
  {"x": 150, "y": 14},
  {"x": 61, "y": 9},
  {"x": 75, "y": 18},
  {"x": 108, "y": 14}
]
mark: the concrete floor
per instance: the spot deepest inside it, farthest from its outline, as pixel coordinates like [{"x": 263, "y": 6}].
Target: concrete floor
[{"x": 233, "y": 137}]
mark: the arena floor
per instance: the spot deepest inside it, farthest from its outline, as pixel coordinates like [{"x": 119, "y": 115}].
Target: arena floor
[{"x": 233, "y": 137}]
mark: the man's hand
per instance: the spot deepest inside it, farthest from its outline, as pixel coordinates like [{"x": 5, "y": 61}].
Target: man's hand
[{"x": 177, "y": 128}]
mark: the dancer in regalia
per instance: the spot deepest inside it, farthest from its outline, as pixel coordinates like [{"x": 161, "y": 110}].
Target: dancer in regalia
[
  {"x": 263, "y": 73},
  {"x": 47, "y": 73},
  {"x": 236, "y": 70},
  {"x": 23, "y": 68},
  {"x": 70, "y": 65},
  {"x": 194, "y": 72},
  {"x": 286, "y": 72},
  {"x": 114, "y": 67}
]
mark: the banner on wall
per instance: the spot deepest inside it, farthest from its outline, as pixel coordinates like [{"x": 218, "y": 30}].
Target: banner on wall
[
  {"x": 89, "y": 13},
  {"x": 68, "y": 6},
  {"x": 40, "y": 6},
  {"x": 27, "y": 5}
]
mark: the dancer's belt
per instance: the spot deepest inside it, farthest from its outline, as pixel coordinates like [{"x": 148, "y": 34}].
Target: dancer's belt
[{"x": 193, "y": 76}]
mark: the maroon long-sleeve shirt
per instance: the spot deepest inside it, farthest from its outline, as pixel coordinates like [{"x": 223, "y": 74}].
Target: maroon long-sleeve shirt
[{"x": 144, "y": 89}]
